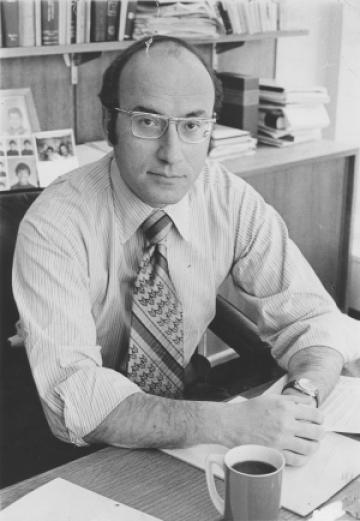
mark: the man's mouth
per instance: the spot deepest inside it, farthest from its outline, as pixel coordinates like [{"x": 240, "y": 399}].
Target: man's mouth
[{"x": 165, "y": 175}]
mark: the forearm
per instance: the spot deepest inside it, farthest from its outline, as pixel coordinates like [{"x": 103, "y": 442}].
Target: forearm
[
  {"x": 143, "y": 420},
  {"x": 320, "y": 364},
  {"x": 146, "y": 421}
]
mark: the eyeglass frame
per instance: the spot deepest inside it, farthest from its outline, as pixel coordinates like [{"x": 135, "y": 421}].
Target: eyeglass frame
[{"x": 167, "y": 119}]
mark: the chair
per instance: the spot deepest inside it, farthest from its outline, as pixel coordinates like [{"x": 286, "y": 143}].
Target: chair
[{"x": 27, "y": 445}]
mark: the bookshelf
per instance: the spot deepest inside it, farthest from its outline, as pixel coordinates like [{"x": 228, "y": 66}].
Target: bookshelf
[{"x": 20, "y": 52}]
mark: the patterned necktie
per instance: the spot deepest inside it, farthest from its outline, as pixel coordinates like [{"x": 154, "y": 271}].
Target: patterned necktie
[{"x": 156, "y": 355}]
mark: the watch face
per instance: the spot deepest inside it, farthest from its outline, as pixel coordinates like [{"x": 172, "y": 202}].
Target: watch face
[{"x": 305, "y": 385}]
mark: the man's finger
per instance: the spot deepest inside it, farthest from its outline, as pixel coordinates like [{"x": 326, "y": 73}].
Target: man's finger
[
  {"x": 309, "y": 431},
  {"x": 294, "y": 460},
  {"x": 310, "y": 414}
]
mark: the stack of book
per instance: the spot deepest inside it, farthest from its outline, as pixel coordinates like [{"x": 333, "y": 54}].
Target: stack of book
[
  {"x": 229, "y": 142},
  {"x": 183, "y": 19},
  {"x": 256, "y": 16},
  {"x": 289, "y": 115}
]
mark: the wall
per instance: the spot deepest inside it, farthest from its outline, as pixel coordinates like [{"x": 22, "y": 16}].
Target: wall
[
  {"x": 330, "y": 56},
  {"x": 348, "y": 122}
]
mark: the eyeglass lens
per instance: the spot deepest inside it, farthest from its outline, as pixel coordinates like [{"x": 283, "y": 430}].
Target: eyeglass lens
[{"x": 191, "y": 130}]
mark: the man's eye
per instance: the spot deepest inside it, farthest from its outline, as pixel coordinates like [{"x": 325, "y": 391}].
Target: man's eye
[
  {"x": 192, "y": 125},
  {"x": 145, "y": 121}
]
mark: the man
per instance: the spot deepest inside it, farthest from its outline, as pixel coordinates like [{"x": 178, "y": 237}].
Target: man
[
  {"x": 23, "y": 173},
  {"x": 80, "y": 291},
  {"x": 12, "y": 150},
  {"x": 27, "y": 150}
]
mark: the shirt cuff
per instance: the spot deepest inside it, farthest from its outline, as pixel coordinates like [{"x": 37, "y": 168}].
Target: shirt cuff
[{"x": 89, "y": 396}]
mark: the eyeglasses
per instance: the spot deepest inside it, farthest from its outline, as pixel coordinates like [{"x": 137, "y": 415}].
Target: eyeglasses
[{"x": 153, "y": 126}]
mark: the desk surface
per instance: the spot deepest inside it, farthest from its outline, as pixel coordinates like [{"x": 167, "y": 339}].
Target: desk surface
[{"x": 148, "y": 480}]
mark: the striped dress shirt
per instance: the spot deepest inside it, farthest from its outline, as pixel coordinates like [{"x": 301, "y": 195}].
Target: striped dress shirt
[{"x": 76, "y": 258}]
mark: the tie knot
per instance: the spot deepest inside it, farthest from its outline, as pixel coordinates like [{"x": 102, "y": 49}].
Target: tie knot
[{"x": 156, "y": 227}]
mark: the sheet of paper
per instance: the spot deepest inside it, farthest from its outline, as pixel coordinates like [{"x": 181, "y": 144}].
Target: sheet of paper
[
  {"x": 60, "y": 500},
  {"x": 342, "y": 407},
  {"x": 336, "y": 463}
]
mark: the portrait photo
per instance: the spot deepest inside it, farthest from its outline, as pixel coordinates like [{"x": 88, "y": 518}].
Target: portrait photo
[
  {"x": 22, "y": 173},
  {"x": 27, "y": 146},
  {"x": 17, "y": 112},
  {"x": 12, "y": 148}
]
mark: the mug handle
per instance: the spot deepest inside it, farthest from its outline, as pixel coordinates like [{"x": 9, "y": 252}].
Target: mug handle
[{"x": 211, "y": 461}]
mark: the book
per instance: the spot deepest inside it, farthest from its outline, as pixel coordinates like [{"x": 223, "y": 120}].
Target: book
[
  {"x": 130, "y": 19},
  {"x": 73, "y": 20},
  {"x": 286, "y": 138},
  {"x": 241, "y": 101},
  {"x": 222, "y": 9},
  {"x": 281, "y": 93},
  {"x": 122, "y": 19},
  {"x": 273, "y": 118},
  {"x": 10, "y": 23},
  {"x": 113, "y": 8},
  {"x": 27, "y": 23},
  {"x": 297, "y": 116},
  {"x": 98, "y": 21},
  {"x": 50, "y": 22},
  {"x": 38, "y": 29}
]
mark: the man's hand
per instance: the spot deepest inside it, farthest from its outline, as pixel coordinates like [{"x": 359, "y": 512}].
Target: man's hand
[{"x": 288, "y": 423}]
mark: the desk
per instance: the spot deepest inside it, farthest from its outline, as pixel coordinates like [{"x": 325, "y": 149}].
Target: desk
[{"x": 148, "y": 480}]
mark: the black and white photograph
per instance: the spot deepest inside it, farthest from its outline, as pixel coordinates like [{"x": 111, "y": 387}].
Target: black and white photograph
[
  {"x": 56, "y": 154},
  {"x": 18, "y": 115},
  {"x": 22, "y": 173},
  {"x": 180, "y": 260}
]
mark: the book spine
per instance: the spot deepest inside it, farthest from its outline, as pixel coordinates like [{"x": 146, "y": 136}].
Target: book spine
[
  {"x": 98, "y": 20},
  {"x": 73, "y": 20},
  {"x": 225, "y": 17},
  {"x": 130, "y": 19},
  {"x": 273, "y": 120},
  {"x": 37, "y": 7},
  {"x": 50, "y": 22},
  {"x": 1, "y": 31},
  {"x": 113, "y": 7},
  {"x": 87, "y": 20},
  {"x": 122, "y": 19},
  {"x": 27, "y": 23},
  {"x": 10, "y": 19}
]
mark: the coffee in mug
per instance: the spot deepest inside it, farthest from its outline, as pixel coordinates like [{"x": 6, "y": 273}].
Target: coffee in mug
[{"x": 253, "y": 477}]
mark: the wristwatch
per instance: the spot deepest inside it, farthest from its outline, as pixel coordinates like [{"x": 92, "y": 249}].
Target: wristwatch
[{"x": 304, "y": 386}]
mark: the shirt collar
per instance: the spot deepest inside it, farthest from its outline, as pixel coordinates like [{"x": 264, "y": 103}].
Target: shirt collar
[{"x": 132, "y": 212}]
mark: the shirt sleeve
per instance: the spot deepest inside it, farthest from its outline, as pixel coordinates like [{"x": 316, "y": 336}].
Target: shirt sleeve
[
  {"x": 280, "y": 290},
  {"x": 51, "y": 289}
]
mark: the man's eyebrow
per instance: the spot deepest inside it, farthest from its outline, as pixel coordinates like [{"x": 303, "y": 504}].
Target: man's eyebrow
[{"x": 193, "y": 114}]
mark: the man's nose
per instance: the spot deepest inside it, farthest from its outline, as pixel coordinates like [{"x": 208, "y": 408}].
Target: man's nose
[{"x": 170, "y": 144}]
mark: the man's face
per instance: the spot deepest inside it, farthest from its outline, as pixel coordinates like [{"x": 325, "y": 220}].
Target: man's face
[
  {"x": 23, "y": 176},
  {"x": 15, "y": 120},
  {"x": 161, "y": 171}
]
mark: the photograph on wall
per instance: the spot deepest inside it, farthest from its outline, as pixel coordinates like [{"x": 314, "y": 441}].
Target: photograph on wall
[
  {"x": 55, "y": 154},
  {"x": 22, "y": 173},
  {"x": 17, "y": 112}
]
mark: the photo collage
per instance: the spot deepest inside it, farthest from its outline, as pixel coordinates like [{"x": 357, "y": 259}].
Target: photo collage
[{"x": 29, "y": 158}]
